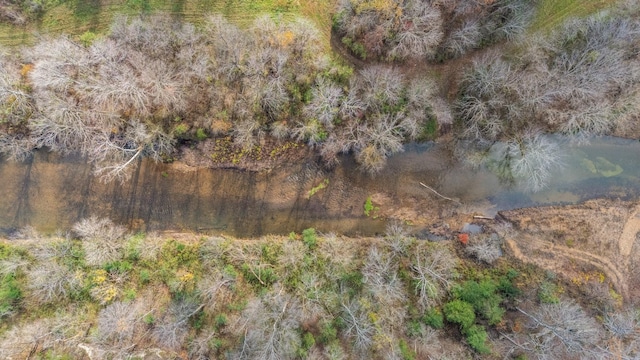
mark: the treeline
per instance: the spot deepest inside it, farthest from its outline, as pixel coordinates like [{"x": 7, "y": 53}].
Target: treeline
[
  {"x": 98, "y": 291},
  {"x": 153, "y": 82},
  {"x": 427, "y": 29},
  {"x": 19, "y": 12}
]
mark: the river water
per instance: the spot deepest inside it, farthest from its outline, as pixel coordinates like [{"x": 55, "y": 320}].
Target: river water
[{"x": 49, "y": 192}]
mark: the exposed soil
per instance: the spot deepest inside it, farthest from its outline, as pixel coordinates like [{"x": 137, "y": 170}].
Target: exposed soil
[{"x": 579, "y": 241}]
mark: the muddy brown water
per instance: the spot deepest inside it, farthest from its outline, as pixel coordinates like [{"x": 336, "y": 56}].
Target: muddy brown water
[{"x": 50, "y": 192}]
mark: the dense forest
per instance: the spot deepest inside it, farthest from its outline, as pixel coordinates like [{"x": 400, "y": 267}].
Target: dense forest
[{"x": 481, "y": 76}]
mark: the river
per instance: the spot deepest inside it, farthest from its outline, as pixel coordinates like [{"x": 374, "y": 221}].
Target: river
[{"x": 50, "y": 192}]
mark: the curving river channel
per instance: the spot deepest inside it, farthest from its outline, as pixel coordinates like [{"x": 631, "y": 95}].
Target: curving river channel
[{"x": 49, "y": 192}]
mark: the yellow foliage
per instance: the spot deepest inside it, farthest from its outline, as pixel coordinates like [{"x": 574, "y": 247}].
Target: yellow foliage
[
  {"x": 616, "y": 297},
  {"x": 373, "y": 317},
  {"x": 285, "y": 38},
  {"x": 585, "y": 277},
  {"x": 105, "y": 293},
  {"x": 186, "y": 277},
  {"x": 99, "y": 276},
  {"x": 26, "y": 68}
]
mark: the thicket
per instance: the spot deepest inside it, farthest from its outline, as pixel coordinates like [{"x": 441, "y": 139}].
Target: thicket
[
  {"x": 150, "y": 84},
  {"x": 304, "y": 296},
  {"x": 426, "y": 29},
  {"x": 578, "y": 81},
  {"x": 581, "y": 80}
]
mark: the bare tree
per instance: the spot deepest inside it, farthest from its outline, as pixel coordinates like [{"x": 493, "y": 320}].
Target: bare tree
[
  {"x": 380, "y": 274},
  {"x": 358, "y": 325},
  {"x": 420, "y": 31},
  {"x": 50, "y": 282},
  {"x": 397, "y": 238},
  {"x": 463, "y": 39},
  {"x": 213, "y": 287},
  {"x": 561, "y": 330},
  {"x": 103, "y": 241},
  {"x": 19, "y": 341},
  {"x": 16, "y": 148},
  {"x": 623, "y": 324},
  {"x": 311, "y": 131},
  {"x": 270, "y": 327},
  {"x": 172, "y": 328},
  {"x": 433, "y": 271},
  {"x": 325, "y": 102},
  {"x": 113, "y": 156},
  {"x": 117, "y": 323},
  {"x": 485, "y": 247},
  {"x": 378, "y": 86}
]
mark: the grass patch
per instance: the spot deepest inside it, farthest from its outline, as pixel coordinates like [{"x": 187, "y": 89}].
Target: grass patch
[
  {"x": 317, "y": 188},
  {"x": 552, "y": 13},
  {"x": 78, "y": 16}
]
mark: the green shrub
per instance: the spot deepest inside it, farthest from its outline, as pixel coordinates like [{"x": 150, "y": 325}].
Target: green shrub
[
  {"x": 180, "y": 130},
  {"x": 477, "y": 338},
  {"x": 328, "y": 333},
  {"x": 483, "y": 297},
  {"x": 415, "y": 328},
  {"x": 308, "y": 341},
  {"x": 352, "y": 281},
  {"x": 434, "y": 318},
  {"x": 220, "y": 321},
  {"x": 506, "y": 286},
  {"x": 356, "y": 47},
  {"x": 201, "y": 134},
  {"x": 258, "y": 276},
  {"x": 145, "y": 276},
  {"x": 460, "y": 312},
  {"x": 197, "y": 321},
  {"x": 55, "y": 355},
  {"x": 132, "y": 249},
  {"x": 230, "y": 270},
  {"x": 429, "y": 130},
  {"x": 120, "y": 267},
  {"x": 270, "y": 252},
  {"x": 10, "y": 294},
  {"x": 130, "y": 294},
  {"x": 87, "y": 38},
  {"x": 309, "y": 238},
  {"x": 548, "y": 293},
  {"x": 179, "y": 265},
  {"x": 405, "y": 351},
  {"x": 216, "y": 343},
  {"x": 175, "y": 255},
  {"x": 369, "y": 208}
]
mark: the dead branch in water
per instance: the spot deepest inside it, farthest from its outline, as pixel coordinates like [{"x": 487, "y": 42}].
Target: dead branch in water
[{"x": 442, "y": 196}]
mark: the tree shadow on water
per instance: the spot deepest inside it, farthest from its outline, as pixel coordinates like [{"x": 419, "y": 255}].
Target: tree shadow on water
[{"x": 22, "y": 203}]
